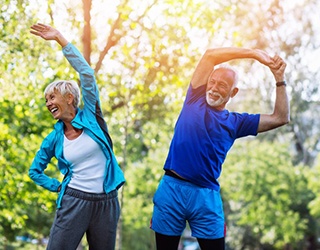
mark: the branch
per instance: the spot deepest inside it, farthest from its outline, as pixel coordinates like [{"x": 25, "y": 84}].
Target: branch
[
  {"x": 112, "y": 41},
  {"x": 114, "y": 38}
]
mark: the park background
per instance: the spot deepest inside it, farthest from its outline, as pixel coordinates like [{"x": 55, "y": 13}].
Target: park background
[{"x": 144, "y": 53}]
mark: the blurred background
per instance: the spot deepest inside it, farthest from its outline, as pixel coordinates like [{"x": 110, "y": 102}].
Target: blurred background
[{"x": 144, "y": 53}]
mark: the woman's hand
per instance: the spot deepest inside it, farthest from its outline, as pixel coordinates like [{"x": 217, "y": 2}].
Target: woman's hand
[{"x": 48, "y": 33}]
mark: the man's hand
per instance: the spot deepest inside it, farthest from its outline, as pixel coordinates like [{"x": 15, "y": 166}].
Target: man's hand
[
  {"x": 264, "y": 58},
  {"x": 278, "y": 68},
  {"x": 48, "y": 33}
]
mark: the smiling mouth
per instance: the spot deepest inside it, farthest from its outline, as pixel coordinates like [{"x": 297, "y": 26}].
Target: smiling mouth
[
  {"x": 53, "y": 110},
  {"x": 214, "y": 96}
]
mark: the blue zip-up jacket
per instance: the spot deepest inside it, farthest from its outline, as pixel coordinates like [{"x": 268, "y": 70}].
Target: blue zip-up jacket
[{"x": 89, "y": 119}]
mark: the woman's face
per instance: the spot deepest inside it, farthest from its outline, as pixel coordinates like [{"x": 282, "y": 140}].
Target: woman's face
[{"x": 60, "y": 106}]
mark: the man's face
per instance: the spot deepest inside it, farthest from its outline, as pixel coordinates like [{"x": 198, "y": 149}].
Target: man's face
[{"x": 220, "y": 88}]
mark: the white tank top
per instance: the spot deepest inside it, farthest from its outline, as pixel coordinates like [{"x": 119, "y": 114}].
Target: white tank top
[{"x": 88, "y": 163}]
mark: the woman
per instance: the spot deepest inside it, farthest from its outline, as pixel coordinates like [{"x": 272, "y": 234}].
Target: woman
[{"x": 87, "y": 200}]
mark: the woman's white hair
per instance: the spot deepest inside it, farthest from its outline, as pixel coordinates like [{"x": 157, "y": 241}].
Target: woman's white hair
[{"x": 65, "y": 87}]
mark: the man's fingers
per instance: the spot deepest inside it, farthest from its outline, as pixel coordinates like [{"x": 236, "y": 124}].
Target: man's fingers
[
  {"x": 278, "y": 62},
  {"x": 283, "y": 66}
]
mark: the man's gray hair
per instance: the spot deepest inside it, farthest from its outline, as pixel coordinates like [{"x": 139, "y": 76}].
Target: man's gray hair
[
  {"x": 227, "y": 66},
  {"x": 65, "y": 87}
]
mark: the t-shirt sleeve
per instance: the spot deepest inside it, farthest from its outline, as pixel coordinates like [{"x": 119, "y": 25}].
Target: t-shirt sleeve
[
  {"x": 247, "y": 124},
  {"x": 193, "y": 95}
]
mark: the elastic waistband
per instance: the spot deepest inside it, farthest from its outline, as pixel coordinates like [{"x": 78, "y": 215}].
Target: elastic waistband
[
  {"x": 186, "y": 183},
  {"x": 90, "y": 196},
  {"x": 168, "y": 178},
  {"x": 174, "y": 175}
]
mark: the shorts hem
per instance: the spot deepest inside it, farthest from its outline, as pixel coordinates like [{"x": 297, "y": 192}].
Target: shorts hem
[
  {"x": 165, "y": 233},
  {"x": 208, "y": 237}
]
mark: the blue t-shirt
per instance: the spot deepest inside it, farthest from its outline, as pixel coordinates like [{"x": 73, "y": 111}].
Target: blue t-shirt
[{"x": 203, "y": 137}]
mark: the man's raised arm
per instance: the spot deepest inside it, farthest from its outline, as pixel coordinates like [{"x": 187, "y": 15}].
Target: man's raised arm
[
  {"x": 213, "y": 57},
  {"x": 281, "y": 112}
]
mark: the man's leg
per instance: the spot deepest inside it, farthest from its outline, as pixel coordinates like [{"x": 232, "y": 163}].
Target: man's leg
[
  {"x": 217, "y": 244},
  {"x": 168, "y": 217},
  {"x": 207, "y": 221},
  {"x": 165, "y": 242}
]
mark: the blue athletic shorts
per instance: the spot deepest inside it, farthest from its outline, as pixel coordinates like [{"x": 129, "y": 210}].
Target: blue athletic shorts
[{"x": 177, "y": 201}]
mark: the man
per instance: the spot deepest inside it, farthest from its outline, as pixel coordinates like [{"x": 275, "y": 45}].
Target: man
[{"x": 203, "y": 135}]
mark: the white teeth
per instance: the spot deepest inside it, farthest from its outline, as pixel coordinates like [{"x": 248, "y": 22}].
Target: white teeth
[
  {"x": 216, "y": 94},
  {"x": 53, "y": 110}
]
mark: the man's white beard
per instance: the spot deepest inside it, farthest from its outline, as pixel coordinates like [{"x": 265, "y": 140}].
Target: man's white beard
[{"x": 212, "y": 102}]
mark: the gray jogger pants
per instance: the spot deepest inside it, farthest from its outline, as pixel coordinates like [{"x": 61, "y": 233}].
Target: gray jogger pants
[{"x": 96, "y": 215}]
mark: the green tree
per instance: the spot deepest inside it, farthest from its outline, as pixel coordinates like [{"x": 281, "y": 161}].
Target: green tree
[
  {"x": 144, "y": 59},
  {"x": 266, "y": 197}
]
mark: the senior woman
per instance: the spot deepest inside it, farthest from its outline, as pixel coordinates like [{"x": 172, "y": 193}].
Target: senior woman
[{"x": 87, "y": 201}]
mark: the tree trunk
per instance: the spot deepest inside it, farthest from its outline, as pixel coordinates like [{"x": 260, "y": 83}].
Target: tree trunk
[{"x": 86, "y": 37}]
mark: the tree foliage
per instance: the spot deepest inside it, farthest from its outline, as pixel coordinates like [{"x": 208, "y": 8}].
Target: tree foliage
[
  {"x": 144, "y": 59},
  {"x": 266, "y": 196}
]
